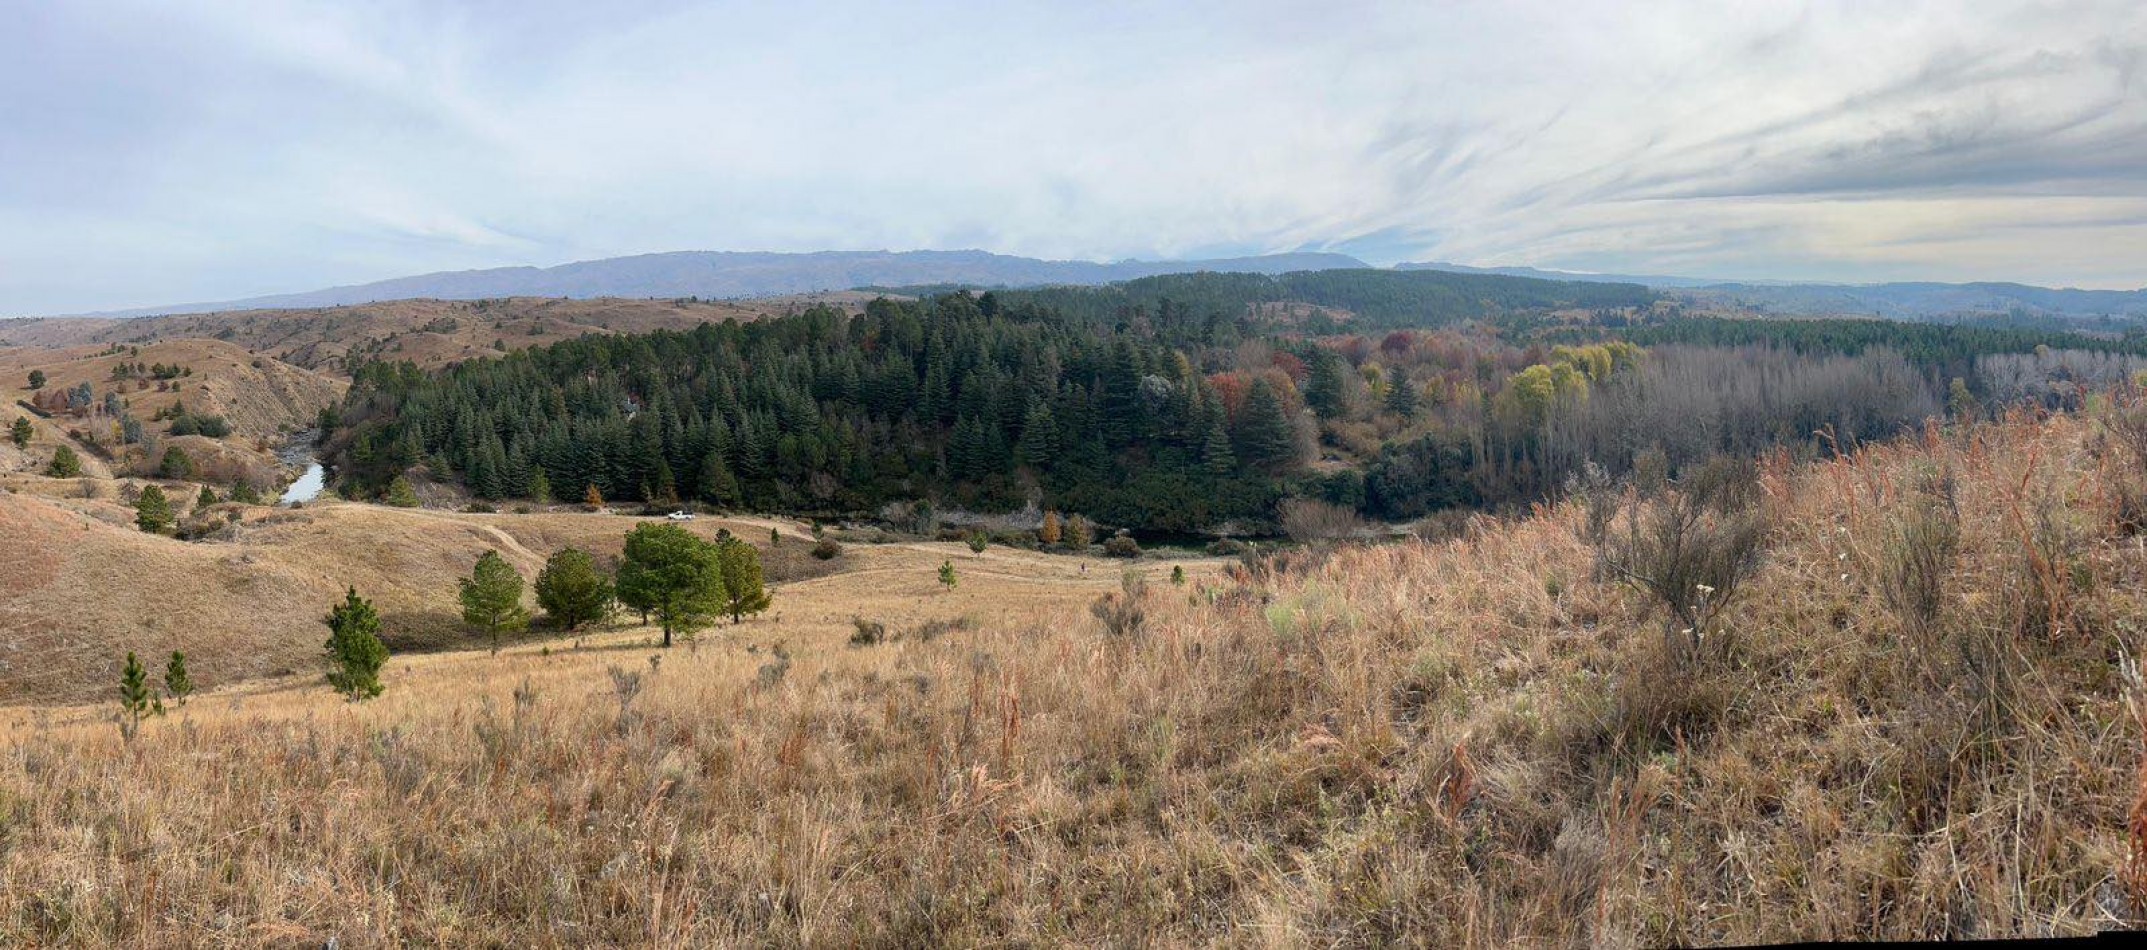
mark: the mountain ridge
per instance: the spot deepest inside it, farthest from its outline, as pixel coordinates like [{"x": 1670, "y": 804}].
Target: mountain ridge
[{"x": 739, "y": 274}]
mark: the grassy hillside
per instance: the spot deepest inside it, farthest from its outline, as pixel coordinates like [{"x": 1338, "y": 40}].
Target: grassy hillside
[
  {"x": 85, "y": 586},
  {"x": 426, "y": 332},
  {"x": 1918, "y": 718}
]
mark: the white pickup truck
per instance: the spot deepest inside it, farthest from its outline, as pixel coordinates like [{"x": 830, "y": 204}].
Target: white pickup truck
[{"x": 680, "y": 516}]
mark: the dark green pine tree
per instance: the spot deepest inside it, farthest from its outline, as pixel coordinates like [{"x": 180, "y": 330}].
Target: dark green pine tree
[
  {"x": 1401, "y": 397},
  {"x": 1264, "y": 438},
  {"x": 1215, "y": 454},
  {"x": 1039, "y": 444}
]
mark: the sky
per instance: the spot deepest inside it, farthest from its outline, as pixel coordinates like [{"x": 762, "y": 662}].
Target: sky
[{"x": 166, "y": 151}]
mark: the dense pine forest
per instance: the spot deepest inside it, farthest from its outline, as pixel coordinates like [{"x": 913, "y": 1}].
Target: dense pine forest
[{"x": 1189, "y": 403}]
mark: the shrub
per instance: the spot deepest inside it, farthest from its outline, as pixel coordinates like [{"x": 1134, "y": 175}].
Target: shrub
[
  {"x": 400, "y": 494},
  {"x": 1122, "y": 545},
  {"x": 827, "y": 549},
  {"x": 1124, "y": 612},
  {"x": 1691, "y": 548},
  {"x": 1918, "y": 555},
  {"x": 1226, "y": 547},
  {"x": 1306, "y": 519},
  {"x": 977, "y": 541},
  {"x": 868, "y": 632},
  {"x": 65, "y": 463}
]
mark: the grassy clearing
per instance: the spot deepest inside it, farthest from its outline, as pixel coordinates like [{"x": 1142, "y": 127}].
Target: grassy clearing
[{"x": 1479, "y": 742}]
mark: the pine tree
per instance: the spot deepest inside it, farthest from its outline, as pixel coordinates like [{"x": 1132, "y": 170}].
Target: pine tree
[
  {"x": 1215, "y": 454},
  {"x": 1326, "y": 391},
  {"x": 206, "y": 498},
  {"x": 1049, "y": 531},
  {"x": 136, "y": 703},
  {"x": 743, "y": 591},
  {"x": 243, "y": 492},
  {"x": 177, "y": 683},
  {"x": 492, "y": 598},
  {"x": 540, "y": 487},
  {"x": 37, "y": 379},
  {"x": 672, "y": 574},
  {"x": 355, "y": 653},
  {"x": 593, "y": 498},
  {"x": 177, "y": 465},
  {"x": 1264, "y": 437},
  {"x": 21, "y": 432},
  {"x": 152, "y": 511},
  {"x": 946, "y": 575},
  {"x": 1401, "y": 397},
  {"x": 1177, "y": 574},
  {"x": 571, "y": 589},
  {"x": 65, "y": 463},
  {"x": 400, "y": 494}
]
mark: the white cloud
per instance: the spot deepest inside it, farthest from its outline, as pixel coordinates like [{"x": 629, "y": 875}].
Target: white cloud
[{"x": 163, "y": 151}]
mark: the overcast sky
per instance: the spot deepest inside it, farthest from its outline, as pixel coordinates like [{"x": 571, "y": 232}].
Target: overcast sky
[{"x": 165, "y": 151}]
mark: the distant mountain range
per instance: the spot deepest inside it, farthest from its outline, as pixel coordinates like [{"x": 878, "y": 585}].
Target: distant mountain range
[
  {"x": 733, "y": 274},
  {"x": 1914, "y": 300},
  {"x": 744, "y": 274}
]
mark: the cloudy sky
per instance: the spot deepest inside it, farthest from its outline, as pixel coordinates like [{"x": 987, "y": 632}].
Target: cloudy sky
[{"x": 162, "y": 151}]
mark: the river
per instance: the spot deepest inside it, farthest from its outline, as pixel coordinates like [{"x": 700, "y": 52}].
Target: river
[{"x": 299, "y": 451}]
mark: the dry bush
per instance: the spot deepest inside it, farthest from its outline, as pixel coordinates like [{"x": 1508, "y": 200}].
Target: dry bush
[
  {"x": 1692, "y": 547},
  {"x": 1125, "y": 611},
  {"x": 1918, "y": 558},
  {"x": 1309, "y": 519}
]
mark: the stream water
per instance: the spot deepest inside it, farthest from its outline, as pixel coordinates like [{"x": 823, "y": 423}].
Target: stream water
[{"x": 299, "y": 451}]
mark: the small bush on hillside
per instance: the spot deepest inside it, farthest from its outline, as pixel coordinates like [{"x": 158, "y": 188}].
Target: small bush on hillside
[
  {"x": 152, "y": 511},
  {"x": 977, "y": 541},
  {"x": 868, "y": 632},
  {"x": 177, "y": 683},
  {"x": 1692, "y": 547},
  {"x": 480, "y": 508},
  {"x": 400, "y": 494},
  {"x": 827, "y": 549},
  {"x": 1124, "y": 612},
  {"x": 1122, "y": 545},
  {"x": 1226, "y": 547},
  {"x": 65, "y": 463},
  {"x": 1920, "y": 547}
]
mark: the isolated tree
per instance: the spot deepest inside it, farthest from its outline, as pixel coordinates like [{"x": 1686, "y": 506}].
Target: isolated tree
[
  {"x": 673, "y": 575},
  {"x": 1050, "y": 531},
  {"x": 206, "y": 498},
  {"x": 400, "y": 494},
  {"x": 65, "y": 463},
  {"x": 977, "y": 541},
  {"x": 152, "y": 511},
  {"x": 492, "y": 598},
  {"x": 571, "y": 589},
  {"x": 21, "y": 432},
  {"x": 176, "y": 465},
  {"x": 1079, "y": 532},
  {"x": 355, "y": 653},
  {"x": 136, "y": 703},
  {"x": 37, "y": 379},
  {"x": 1177, "y": 574},
  {"x": 244, "y": 493},
  {"x": 946, "y": 575},
  {"x": 540, "y": 488},
  {"x": 775, "y": 537},
  {"x": 593, "y": 498},
  {"x": 743, "y": 591},
  {"x": 177, "y": 684}
]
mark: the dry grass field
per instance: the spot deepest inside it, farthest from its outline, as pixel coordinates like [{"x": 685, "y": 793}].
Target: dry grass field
[
  {"x": 1486, "y": 741},
  {"x": 427, "y": 332}
]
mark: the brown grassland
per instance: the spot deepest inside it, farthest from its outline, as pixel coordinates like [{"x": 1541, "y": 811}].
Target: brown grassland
[
  {"x": 1482, "y": 741},
  {"x": 427, "y": 332}
]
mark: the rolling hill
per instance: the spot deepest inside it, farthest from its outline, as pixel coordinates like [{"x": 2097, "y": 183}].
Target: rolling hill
[{"x": 738, "y": 274}]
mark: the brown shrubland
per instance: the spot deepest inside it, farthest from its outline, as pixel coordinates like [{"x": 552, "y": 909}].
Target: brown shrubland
[{"x": 1476, "y": 742}]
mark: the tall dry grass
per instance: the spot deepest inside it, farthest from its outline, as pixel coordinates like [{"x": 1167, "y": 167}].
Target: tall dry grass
[{"x": 1478, "y": 742}]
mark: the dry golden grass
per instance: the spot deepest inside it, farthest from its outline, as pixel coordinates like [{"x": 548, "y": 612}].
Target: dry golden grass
[
  {"x": 427, "y": 332},
  {"x": 1469, "y": 743},
  {"x": 260, "y": 401}
]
